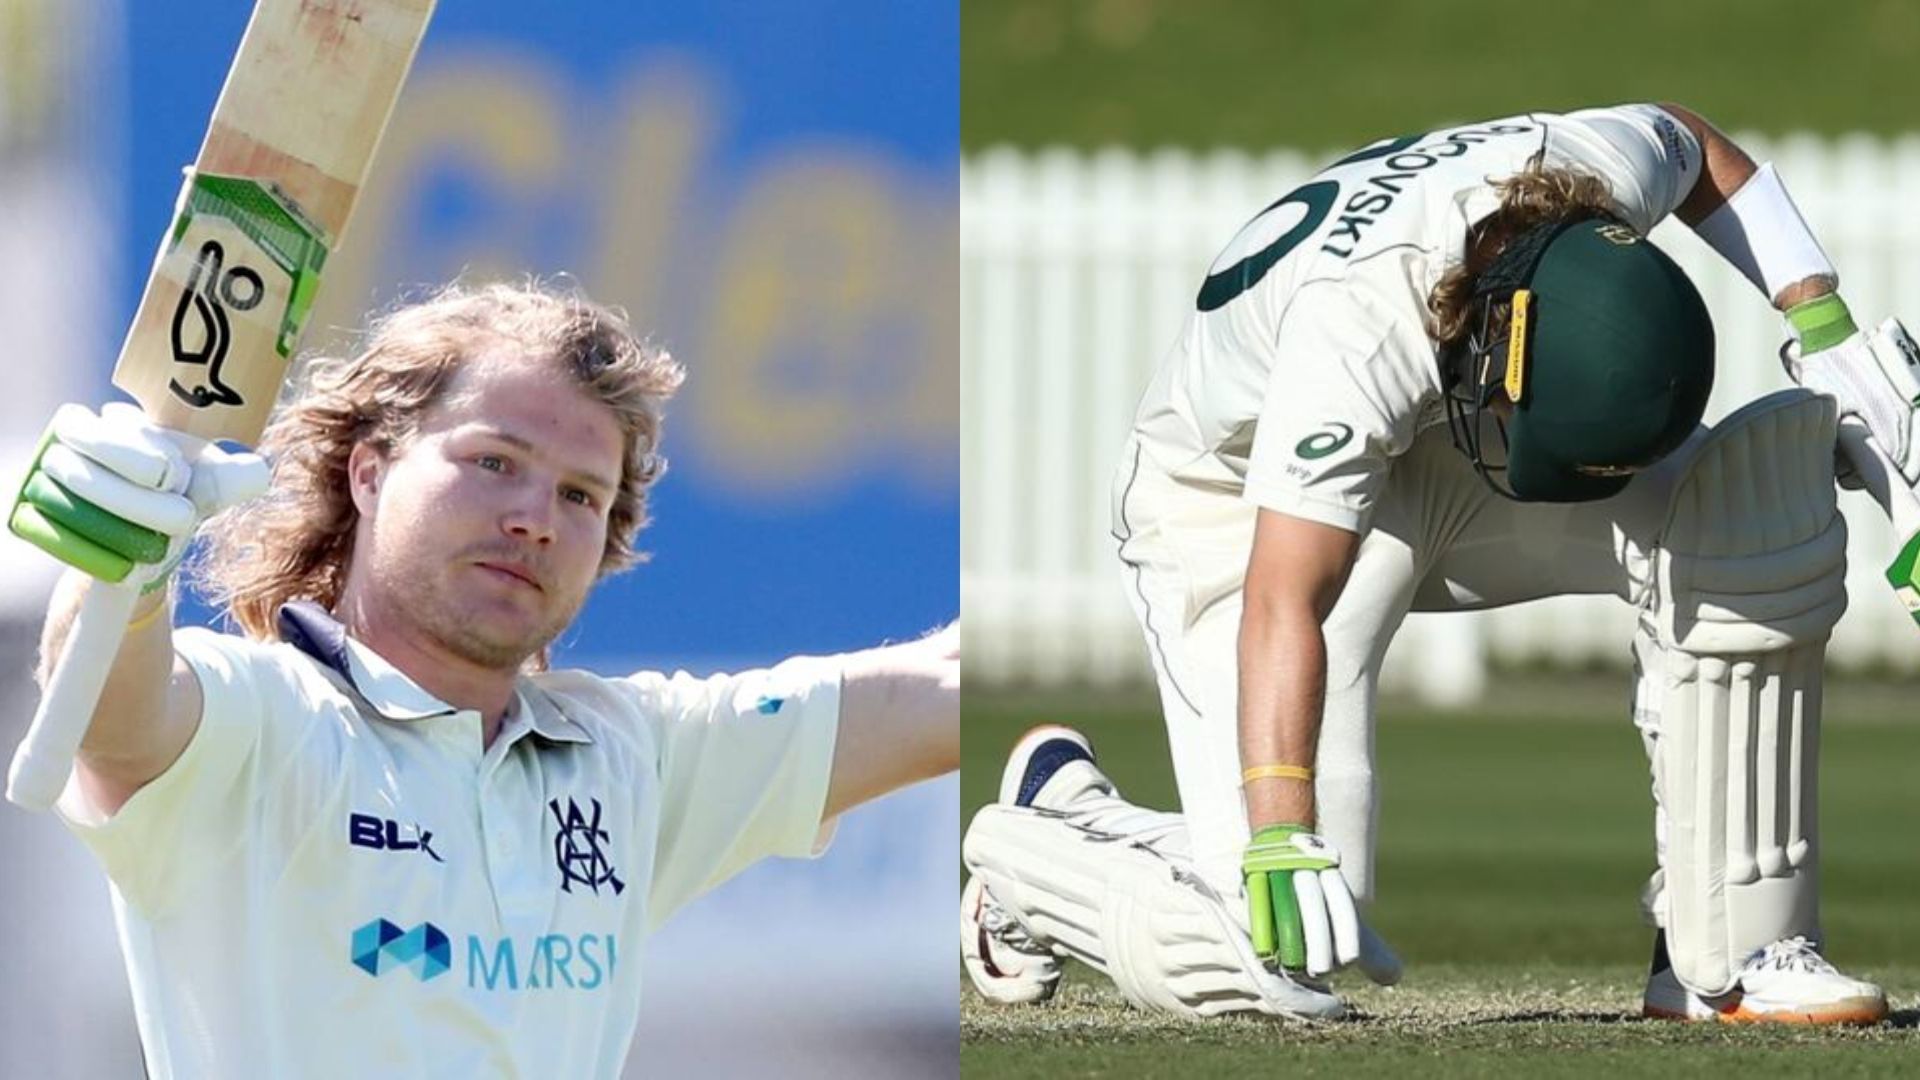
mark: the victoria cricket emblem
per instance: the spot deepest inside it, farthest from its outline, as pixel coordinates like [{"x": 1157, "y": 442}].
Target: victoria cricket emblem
[{"x": 578, "y": 850}]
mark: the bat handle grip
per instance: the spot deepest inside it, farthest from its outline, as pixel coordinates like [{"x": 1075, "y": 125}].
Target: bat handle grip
[
  {"x": 1882, "y": 480},
  {"x": 44, "y": 759},
  {"x": 1889, "y": 488}
]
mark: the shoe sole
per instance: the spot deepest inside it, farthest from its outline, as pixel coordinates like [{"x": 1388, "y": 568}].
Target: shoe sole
[
  {"x": 1023, "y": 752},
  {"x": 985, "y": 944},
  {"x": 1855, "y": 1012}
]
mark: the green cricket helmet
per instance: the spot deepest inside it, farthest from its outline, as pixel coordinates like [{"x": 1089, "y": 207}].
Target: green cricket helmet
[{"x": 1606, "y": 352}]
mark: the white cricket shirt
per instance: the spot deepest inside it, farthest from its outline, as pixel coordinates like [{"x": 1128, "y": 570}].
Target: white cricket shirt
[
  {"x": 335, "y": 880},
  {"x": 1305, "y": 367}
]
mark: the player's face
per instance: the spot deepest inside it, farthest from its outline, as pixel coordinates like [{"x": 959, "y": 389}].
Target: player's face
[{"x": 489, "y": 524}]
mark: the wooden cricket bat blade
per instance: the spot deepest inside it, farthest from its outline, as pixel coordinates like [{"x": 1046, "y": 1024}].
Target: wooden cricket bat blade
[
  {"x": 264, "y": 206},
  {"x": 303, "y": 109}
]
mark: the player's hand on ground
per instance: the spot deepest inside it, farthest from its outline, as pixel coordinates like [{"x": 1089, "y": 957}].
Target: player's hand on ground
[
  {"x": 1299, "y": 911},
  {"x": 119, "y": 498}
]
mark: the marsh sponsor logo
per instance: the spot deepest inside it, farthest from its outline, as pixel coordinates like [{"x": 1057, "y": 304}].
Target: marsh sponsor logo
[
  {"x": 547, "y": 962},
  {"x": 562, "y": 962},
  {"x": 380, "y": 946}
]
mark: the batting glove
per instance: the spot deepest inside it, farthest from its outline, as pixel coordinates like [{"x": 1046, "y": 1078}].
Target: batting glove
[
  {"x": 1299, "y": 910},
  {"x": 1871, "y": 377},
  {"x": 119, "y": 498}
]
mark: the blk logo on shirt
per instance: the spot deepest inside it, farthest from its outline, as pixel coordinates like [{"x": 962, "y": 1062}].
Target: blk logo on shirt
[
  {"x": 381, "y": 834},
  {"x": 578, "y": 850}
]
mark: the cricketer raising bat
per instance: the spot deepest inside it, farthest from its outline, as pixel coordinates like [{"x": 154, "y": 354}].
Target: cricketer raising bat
[{"x": 263, "y": 207}]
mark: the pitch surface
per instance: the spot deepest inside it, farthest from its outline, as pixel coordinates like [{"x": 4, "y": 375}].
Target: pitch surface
[{"x": 1514, "y": 841}]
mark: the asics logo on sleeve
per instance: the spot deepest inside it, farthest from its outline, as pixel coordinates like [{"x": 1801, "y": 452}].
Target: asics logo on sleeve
[{"x": 1321, "y": 443}]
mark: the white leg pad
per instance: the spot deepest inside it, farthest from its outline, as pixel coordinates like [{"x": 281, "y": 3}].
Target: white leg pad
[
  {"x": 1732, "y": 642},
  {"x": 1133, "y": 907}
]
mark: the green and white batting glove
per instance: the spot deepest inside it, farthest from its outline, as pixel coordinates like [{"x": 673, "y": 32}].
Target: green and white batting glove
[
  {"x": 119, "y": 498},
  {"x": 1870, "y": 376},
  {"x": 1299, "y": 911}
]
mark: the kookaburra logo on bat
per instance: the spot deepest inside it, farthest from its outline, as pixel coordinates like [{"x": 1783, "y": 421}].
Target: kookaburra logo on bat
[{"x": 203, "y": 305}]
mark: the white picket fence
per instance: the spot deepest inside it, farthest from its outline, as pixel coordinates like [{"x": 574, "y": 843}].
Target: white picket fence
[{"x": 1076, "y": 271}]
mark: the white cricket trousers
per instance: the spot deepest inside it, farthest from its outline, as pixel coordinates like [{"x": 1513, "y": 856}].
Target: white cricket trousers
[{"x": 1439, "y": 540}]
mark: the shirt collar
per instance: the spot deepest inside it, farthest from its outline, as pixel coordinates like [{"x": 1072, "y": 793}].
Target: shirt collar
[
  {"x": 1470, "y": 208},
  {"x": 388, "y": 691}
]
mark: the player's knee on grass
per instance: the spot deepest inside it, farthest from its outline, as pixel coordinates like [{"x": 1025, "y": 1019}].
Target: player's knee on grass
[{"x": 1142, "y": 917}]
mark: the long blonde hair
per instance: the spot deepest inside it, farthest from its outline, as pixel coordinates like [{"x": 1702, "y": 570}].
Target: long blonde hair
[
  {"x": 1535, "y": 195},
  {"x": 295, "y": 543}
]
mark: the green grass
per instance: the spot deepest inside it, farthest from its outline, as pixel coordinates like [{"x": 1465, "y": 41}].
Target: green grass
[
  {"x": 1443, "y": 1022},
  {"x": 1259, "y": 73},
  {"x": 1514, "y": 841}
]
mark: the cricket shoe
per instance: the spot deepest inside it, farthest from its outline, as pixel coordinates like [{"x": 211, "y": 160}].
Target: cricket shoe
[
  {"x": 1052, "y": 770},
  {"x": 1044, "y": 755},
  {"x": 1788, "y": 982},
  {"x": 1005, "y": 963}
]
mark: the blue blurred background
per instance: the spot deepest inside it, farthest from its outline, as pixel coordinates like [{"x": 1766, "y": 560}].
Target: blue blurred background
[{"x": 769, "y": 189}]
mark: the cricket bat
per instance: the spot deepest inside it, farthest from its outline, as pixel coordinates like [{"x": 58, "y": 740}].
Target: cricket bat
[
  {"x": 263, "y": 208},
  {"x": 1902, "y": 505},
  {"x": 1883, "y": 481}
]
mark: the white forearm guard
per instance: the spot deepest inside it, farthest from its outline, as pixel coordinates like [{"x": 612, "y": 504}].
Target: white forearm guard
[
  {"x": 1749, "y": 583},
  {"x": 1760, "y": 231}
]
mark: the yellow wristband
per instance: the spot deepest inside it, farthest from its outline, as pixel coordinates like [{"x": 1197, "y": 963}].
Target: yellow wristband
[{"x": 1276, "y": 772}]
